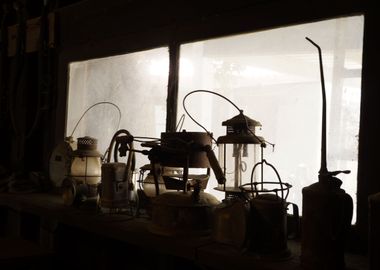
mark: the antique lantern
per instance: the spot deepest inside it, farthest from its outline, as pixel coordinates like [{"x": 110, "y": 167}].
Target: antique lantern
[
  {"x": 85, "y": 172},
  {"x": 268, "y": 215},
  {"x": 256, "y": 207},
  {"x": 238, "y": 149},
  {"x": 188, "y": 210}
]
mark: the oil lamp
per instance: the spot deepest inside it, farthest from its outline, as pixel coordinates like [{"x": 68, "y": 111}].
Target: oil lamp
[
  {"x": 237, "y": 150},
  {"x": 85, "y": 172},
  {"x": 187, "y": 211},
  {"x": 257, "y": 208},
  {"x": 146, "y": 182}
]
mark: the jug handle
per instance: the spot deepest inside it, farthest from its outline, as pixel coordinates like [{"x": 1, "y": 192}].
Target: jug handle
[{"x": 296, "y": 224}]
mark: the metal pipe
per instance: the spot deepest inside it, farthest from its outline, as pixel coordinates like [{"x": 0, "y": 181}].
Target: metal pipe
[{"x": 323, "y": 170}]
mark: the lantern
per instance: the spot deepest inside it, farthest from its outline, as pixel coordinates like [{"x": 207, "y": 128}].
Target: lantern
[
  {"x": 187, "y": 210},
  {"x": 85, "y": 172},
  {"x": 238, "y": 149}
]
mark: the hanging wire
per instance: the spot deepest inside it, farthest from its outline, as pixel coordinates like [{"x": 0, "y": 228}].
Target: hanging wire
[
  {"x": 94, "y": 105},
  {"x": 210, "y": 92},
  {"x": 233, "y": 104}
]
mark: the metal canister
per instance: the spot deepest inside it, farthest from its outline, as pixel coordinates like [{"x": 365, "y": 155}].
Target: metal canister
[
  {"x": 184, "y": 141},
  {"x": 326, "y": 219},
  {"x": 114, "y": 186},
  {"x": 230, "y": 222},
  {"x": 268, "y": 225}
]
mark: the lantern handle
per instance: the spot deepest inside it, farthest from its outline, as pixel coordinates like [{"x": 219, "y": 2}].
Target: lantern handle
[
  {"x": 262, "y": 181},
  {"x": 92, "y": 106},
  {"x": 210, "y": 92},
  {"x": 263, "y": 142}
]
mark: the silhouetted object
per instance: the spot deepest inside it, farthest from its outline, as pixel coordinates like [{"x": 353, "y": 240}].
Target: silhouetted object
[
  {"x": 230, "y": 222},
  {"x": 237, "y": 150},
  {"x": 146, "y": 182},
  {"x": 60, "y": 161},
  {"x": 268, "y": 215},
  {"x": 238, "y": 147},
  {"x": 116, "y": 181},
  {"x": 374, "y": 231},
  {"x": 85, "y": 174},
  {"x": 327, "y": 210},
  {"x": 183, "y": 212},
  {"x": 251, "y": 215}
]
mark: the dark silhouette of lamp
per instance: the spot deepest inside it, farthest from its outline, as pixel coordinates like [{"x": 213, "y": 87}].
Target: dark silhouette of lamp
[{"x": 239, "y": 147}]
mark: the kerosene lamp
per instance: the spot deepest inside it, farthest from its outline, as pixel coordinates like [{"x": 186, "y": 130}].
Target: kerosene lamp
[
  {"x": 238, "y": 149},
  {"x": 85, "y": 173},
  {"x": 187, "y": 211},
  {"x": 256, "y": 209}
]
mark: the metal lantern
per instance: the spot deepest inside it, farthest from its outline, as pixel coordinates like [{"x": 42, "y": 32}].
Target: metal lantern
[
  {"x": 86, "y": 166},
  {"x": 268, "y": 215},
  {"x": 187, "y": 211},
  {"x": 85, "y": 172},
  {"x": 238, "y": 149}
]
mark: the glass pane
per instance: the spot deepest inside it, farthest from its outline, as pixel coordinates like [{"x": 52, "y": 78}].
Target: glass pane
[
  {"x": 135, "y": 82},
  {"x": 274, "y": 77}
]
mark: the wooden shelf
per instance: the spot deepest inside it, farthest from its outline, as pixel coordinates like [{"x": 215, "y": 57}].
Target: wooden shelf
[{"x": 135, "y": 232}]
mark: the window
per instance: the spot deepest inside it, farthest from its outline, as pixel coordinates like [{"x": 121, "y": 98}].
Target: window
[
  {"x": 135, "y": 82},
  {"x": 274, "y": 77}
]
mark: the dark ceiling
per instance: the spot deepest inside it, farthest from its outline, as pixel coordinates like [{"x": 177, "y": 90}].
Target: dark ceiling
[{"x": 32, "y": 8}]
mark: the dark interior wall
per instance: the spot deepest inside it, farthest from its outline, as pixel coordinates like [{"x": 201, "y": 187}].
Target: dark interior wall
[
  {"x": 97, "y": 28},
  {"x": 116, "y": 26},
  {"x": 368, "y": 175}
]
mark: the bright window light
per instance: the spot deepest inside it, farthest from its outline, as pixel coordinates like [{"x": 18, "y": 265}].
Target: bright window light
[
  {"x": 274, "y": 77},
  {"x": 135, "y": 82}
]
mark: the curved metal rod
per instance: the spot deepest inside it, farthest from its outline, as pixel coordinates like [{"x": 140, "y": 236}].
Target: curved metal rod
[
  {"x": 262, "y": 182},
  {"x": 323, "y": 170},
  {"x": 210, "y": 92},
  {"x": 92, "y": 106},
  {"x": 233, "y": 104}
]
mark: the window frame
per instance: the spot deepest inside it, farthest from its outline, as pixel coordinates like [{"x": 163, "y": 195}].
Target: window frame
[{"x": 252, "y": 18}]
